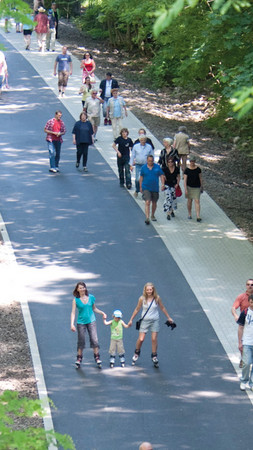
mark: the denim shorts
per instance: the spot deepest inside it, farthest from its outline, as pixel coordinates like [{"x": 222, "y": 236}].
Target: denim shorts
[
  {"x": 152, "y": 325},
  {"x": 92, "y": 331}
]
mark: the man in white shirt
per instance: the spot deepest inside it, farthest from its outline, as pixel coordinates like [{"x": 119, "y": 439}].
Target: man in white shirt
[{"x": 245, "y": 338}]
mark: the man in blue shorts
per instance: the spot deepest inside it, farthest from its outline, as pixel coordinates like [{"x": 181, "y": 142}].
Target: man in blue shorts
[
  {"x": 149, "y": 186},
  {"x": 64, "y": 62}
]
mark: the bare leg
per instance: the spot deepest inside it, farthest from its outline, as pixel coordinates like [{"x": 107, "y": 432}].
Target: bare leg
[
  {"x": 154, "y": 336},
  {"x": 154, "y": 204},
  {"x": 140, "y": 340},
  {"x": 197, "y": 207},
  {"x": 147, "y": 208},
  {"x": 189, "y": 207}
]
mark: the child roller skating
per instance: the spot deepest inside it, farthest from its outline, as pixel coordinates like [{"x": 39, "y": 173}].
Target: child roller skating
[{"x": 116, "y": 344}]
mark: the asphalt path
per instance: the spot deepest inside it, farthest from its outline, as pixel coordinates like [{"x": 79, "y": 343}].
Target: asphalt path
[{"x": 72, "y": 226}]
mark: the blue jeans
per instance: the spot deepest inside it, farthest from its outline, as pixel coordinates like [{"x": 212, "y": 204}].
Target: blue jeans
[
  {"x": 123, "y": 165},
  {"x": 105, "y": 104},
  {"x": 54, "y": 149},
  {"x": 137, "y": 176},
  {"x": 247, "y": 359}
]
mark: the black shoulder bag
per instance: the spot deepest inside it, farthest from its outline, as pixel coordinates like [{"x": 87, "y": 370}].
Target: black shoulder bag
[{"x": 138, "y": 322}]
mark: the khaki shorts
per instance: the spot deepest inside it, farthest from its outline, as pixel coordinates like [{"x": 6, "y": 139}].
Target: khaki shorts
[
  {"x": 151, "y": 196},
  {"x": 116, "y": 346},
  {"x": 95, "y": 121}
]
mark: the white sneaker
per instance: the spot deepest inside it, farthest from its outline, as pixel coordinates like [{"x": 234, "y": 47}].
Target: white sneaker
[{"x": 243, "y": 386}]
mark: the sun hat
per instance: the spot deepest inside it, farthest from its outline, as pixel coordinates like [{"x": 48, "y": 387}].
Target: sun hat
[
  {"x": 41, "y": 9},
  {"x": 117, "y": 313}
]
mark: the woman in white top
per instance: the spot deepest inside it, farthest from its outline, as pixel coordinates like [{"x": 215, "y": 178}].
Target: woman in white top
[{"x": 150, "y": 302}]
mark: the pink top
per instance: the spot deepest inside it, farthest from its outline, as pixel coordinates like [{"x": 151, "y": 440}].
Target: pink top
[{"x": 42, "y": 23}]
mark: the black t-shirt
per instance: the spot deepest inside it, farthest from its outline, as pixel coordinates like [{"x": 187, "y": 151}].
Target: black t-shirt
[
  {"x": 171, "y": 178},
  {"x": 124, "y": 146},
  {"x": 193, "y": 179}
]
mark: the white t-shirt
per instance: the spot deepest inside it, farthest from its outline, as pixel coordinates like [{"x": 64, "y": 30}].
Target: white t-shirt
[{"x": 247, "y": 338}]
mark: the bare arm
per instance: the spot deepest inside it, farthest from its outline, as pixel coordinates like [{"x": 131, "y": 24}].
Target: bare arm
[
  {"x": 140, "y": 182},
  {"x": 124, "y": 324},
  {"x": 71, "y": 68},
  {"x": 98, "y": 311},
  {"x": 107, "y": 322},
  {"x": 137, "y": 309},
  {"x": 201, "y": 182},
  {"x": 72, "y": 316},
  {"x": 55, "y": 65},
  {"x": 185, "y": 185},
  {"x": 233, "y": 311},
  {"x": 164, "y": 310},
  {"x": 163, "y": 179},
  {"x": 240, "y": 335}
]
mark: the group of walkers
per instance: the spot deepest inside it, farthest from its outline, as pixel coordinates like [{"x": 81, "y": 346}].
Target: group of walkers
[
  {"x": 138, "y": 155},
  {"x": 150, "y": 303}
]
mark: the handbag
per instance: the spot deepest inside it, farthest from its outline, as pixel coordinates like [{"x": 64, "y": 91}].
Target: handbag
[
  {"x": 178, "y": 191},
  {"x": 138, "y": 322}
]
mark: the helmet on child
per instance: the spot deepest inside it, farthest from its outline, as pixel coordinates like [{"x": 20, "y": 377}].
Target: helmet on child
[{"x": 117, "y": 313}]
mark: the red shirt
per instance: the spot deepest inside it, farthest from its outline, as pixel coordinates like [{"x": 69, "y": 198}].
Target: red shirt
[
  {"x": 56, "y": 129},
  {"x": 242, "y": 301}
]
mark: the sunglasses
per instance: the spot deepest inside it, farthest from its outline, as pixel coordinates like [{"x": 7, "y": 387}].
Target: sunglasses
[{"x": 249, "y": 284}]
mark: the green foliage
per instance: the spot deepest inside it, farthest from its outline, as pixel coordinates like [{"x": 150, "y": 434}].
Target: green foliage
[
  {"x": 166, "y": 16},
  {"x": 17, "y": 10},
  {"x": 12, "y": 406}
]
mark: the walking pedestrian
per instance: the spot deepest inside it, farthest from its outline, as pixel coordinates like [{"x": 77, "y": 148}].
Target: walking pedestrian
[
  {"x": 3, "y": 71},
  {"x": 51, "y": 34},
  {"x": 115, "y": 111},
  {"x": 27, "y": 31},
  {"x": 172, "y": 180},
  {"x": 92, "y": 108},
  {"x": 142, "y": 132},
  {"x": 116, "y": 344},
  {"x": 88, "y": 65},
  {"x": 149, "y": 185},
  {"x": 182, "y": 144},
  {"x": 41, "y": 28},
  {"x": 86, "y": 320},
  {"x": 123, "y": 145},
  {"x": 168, "y": 150},
  {"x": 64, "y": 63},
  {"x": 242, "y": 302},
  {"x": 85, "y": 89},
  {"x": 141, "y": 150},
  {"x": 193, "y": 185},
  {"x": 82, "y": 138},
  {"x": 245, "y": 338},
  {"x": 55, "y": 129},
  {"x": 56, "y": 15},
  {"x": 150, "y": 302},
  {"x": 106, "y": 87}
]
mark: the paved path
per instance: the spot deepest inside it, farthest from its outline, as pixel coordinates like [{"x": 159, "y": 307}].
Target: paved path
[{"x": 62, "y": 232}]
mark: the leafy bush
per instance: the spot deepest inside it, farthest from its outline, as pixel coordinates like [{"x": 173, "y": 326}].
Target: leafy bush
[{"x": 13, "y": 406}]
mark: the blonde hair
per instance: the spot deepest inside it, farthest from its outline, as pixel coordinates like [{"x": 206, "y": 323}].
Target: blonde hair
[{"x": 144, "y": 293}]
